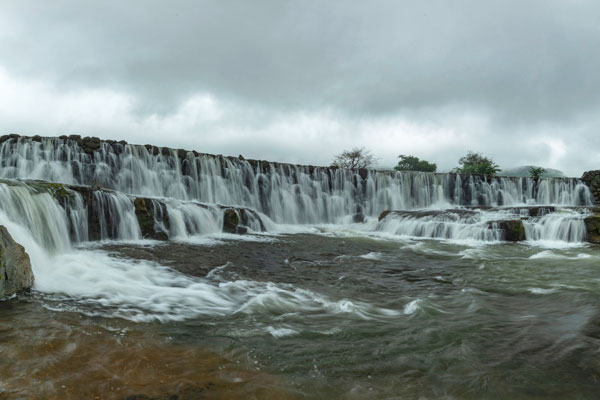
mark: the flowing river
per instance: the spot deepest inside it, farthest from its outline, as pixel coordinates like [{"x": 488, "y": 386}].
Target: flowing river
[{"x": 308, "y": 304}]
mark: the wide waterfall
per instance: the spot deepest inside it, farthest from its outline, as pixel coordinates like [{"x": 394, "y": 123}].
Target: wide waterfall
[
  {"x": 147, "y": 247},
  {"x": 286, "y": 193}
]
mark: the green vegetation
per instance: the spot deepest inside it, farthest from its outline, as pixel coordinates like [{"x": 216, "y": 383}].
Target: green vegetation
[
  {"x": 476, "y": 163},
  {"x": 412, "y": 163},
  {"x": 356, "y": 158},
  {"x": 536, "y": 172}
]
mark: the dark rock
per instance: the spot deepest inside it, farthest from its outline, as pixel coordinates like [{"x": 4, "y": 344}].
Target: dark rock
[
  {"x": 75, "y": 137},
  {"x": 164, "y": 151},
  {"x": 592, "y": 180},
  {"x": 513, "y": 230},
  {"x": 358, "y": 218},
  {"x": 16, "y": 274},
  {"x": 36, "y": 138},
  {"x": 144, "y": 211},
  {"x": 241, "y": 157},
  {"x": 592, "y": 227},
  {"x": 231, "y": 221},
  {"x": 384, "y": 214},
  {"x": 428, "y": 213}
]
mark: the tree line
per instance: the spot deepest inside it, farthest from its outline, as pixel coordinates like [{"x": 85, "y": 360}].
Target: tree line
[{"x": 471, "y": 163}]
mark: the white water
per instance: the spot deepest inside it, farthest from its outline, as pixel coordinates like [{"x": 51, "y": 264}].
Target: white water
[
  {"x": 285, "y": 193},
  {"x": 95, "y": 283},
  {"x": 563, "y": 226},
  {"x": 188, "y": 219}
]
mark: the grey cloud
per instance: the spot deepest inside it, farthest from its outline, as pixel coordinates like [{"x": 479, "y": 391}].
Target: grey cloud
[{"x": 522, "y": 60}]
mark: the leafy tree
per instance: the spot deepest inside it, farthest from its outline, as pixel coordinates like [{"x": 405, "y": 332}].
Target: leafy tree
[
  {"x": 412, "y": 163},
  {"x": 536, "y": 172},
  {"x": 475, "y": 163},
  {"x": 358, "y": 157}
]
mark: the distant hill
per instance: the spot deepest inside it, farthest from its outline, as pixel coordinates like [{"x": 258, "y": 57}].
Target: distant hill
[{"x": 524, "y": 171}]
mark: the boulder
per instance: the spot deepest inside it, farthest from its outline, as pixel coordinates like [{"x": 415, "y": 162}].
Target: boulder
[
  {"x": 592, "y": 227},
  {"x": 145, "y": 213},
  {"x": 513, "y": 230},
  {"x": 231, "y": 220},
  {"x": 358, "y": 218},
  {"x": 15, "y": 268}
]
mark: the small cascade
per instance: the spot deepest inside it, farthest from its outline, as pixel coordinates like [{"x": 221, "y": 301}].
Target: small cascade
[
  {"x": 115, "y": 214},
  {"x": 452, "y": 224},
  {"x": 564, "y": 226},
  {"x": 38, "y": 213},
  {"x": 188, "y": 219}
]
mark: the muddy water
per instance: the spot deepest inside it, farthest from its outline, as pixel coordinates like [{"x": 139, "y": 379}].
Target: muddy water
[{"x": 331, "y": 315}]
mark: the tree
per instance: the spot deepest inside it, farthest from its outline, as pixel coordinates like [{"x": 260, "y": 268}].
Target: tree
[
  {"x": 536, "y": 172},
  {"x": 412, "y": 163},
  {"x": 475, "y": 163},
  {"x": 358, "y": 157}
]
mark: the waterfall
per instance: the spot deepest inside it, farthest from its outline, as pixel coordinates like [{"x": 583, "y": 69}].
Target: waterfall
[
  {"x": 453, "y": 224},
  {"x": 563, "y": 226},
  {"x": 37, "y": 213},
  {"x": 285, "y": 193},
  {"x": 189, "y": 219},
  {"x": 116, "y": 216}
]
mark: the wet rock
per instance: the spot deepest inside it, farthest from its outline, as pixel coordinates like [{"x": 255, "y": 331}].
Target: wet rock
[
  {"x": 145, "y": 212},
  {"x": 358, "y": 218},
  {"x": 15, "y": 268},
  {"x": 592, "y": 180},
  {"x": 513, "y": 230},
  {"x": 427, "y": 213},
  {"x": 231, "y": 221},
  {"x": 90, "y": 144},
  {"x": 592, "y": 227}
]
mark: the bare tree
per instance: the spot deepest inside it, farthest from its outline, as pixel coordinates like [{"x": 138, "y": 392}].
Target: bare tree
[{"x": 358, "y": 157}]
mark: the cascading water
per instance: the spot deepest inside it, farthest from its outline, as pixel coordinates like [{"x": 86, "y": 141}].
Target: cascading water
[
  {"x": 189, "y": 219},
  {"x": 452, "y": 224},
  {"x": 563, "y": 226},
  {"x": 116, "y": 216},
  {"x": 285, "y": 193}
]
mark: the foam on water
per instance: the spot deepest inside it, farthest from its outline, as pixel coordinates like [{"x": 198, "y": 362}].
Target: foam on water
[{"x": 93, "y": 282}]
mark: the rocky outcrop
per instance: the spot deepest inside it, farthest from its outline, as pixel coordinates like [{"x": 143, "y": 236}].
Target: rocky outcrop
[
  {"x": 152, "y": 217},
  {"x": 427, "y": 213},
  {"x": 231, "y": 220},
  {"x": 512, "y": 230},
  {"x": 592, "y": 180},
  {"x": 592, "y": 227},
  {"x": 15, "y": 268}
]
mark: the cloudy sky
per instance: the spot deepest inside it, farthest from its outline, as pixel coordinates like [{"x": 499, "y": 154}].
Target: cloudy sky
[{"x": 299, "y": 81}]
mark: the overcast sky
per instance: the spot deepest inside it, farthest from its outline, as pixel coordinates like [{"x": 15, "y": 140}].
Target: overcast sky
[{"x": 299, "y": 81}]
